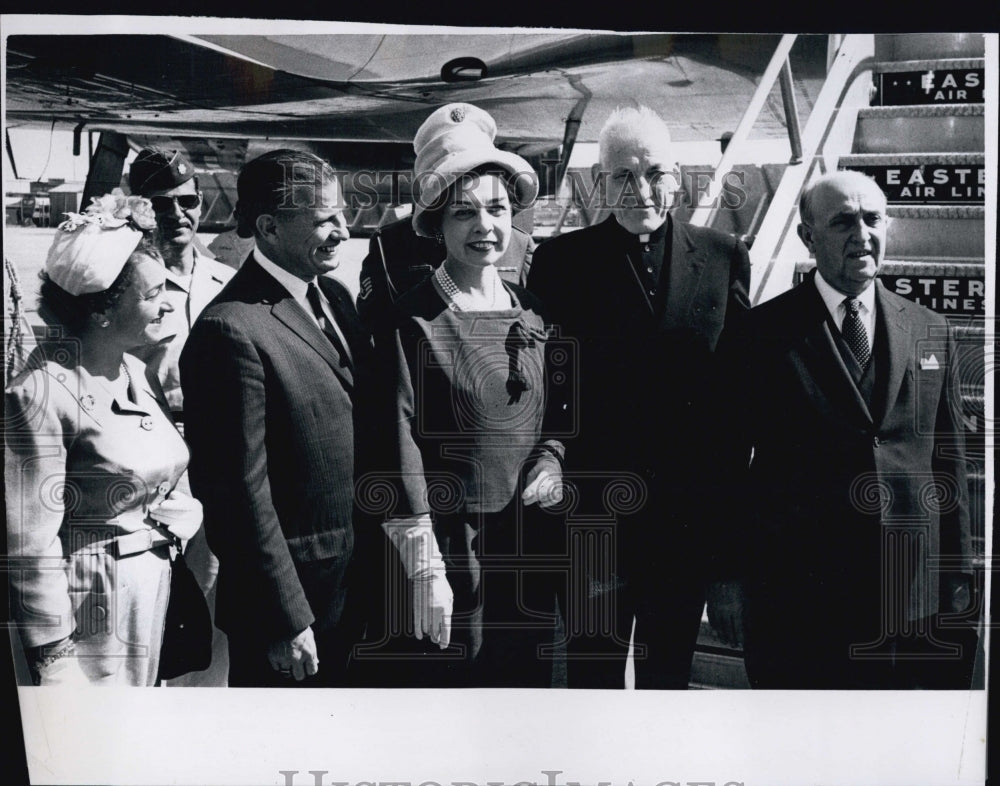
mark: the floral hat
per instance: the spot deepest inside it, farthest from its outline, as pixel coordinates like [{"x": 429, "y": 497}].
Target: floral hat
[{"x": 91, "y": 248}]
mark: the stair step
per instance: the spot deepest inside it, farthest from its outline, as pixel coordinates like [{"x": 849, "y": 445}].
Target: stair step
[
  {"x": 953, "y": 288},
  {"x": 919, "y": 232},
  {"x": 911, "y": 159},
  {"x": 972, "y": 331},
  {"x": 938, "y": 64},
  {"x": 935, "y": 110},
  {"x": 977, "y": 491},
  {"x": 927, "y": 267},
  {"x": 712, "y": 670},
  {"x": 924, "y": 178},
  {"x": 923, "y": 267},
  {"x": 946, "y": 81},
  {"x": 932, "y": 212},
  {"x": 973, "y": 403},
  {"x": 954, "y": 128},
  {"x": 920, "y": 46},
  {"x": 935, "y": 231}
]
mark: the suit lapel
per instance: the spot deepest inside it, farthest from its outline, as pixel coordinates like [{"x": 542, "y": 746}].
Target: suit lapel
[
  {"x": 287, "y": 311},
  {"x": 684, "y": 269},
  {"x": 900, "y": 339},
  {"x": 823, "y": 361}
]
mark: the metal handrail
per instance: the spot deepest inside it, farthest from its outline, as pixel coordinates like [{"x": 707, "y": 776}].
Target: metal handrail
[
  {"x": 830, "y": 127},
  {"x": 705, "y": 209}
]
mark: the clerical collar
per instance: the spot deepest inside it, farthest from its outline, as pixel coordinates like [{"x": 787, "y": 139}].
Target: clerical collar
[{"x": 649, "y": 238}]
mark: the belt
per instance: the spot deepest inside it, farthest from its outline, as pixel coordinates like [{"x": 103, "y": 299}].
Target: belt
[{"x": 134, "y": 543}]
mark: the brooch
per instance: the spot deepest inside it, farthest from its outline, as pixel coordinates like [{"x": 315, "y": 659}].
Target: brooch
[{"x": 87, "y": 402}]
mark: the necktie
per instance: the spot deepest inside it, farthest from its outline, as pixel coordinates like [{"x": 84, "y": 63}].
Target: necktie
[
  {"x": 312, "y": 295},
  {"x": 854, "y": 332}
]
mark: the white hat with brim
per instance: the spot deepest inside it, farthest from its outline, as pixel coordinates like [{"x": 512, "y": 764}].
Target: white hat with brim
[
  {"x": 89, "y": 258},
  {"x": 453, "y": 141}
]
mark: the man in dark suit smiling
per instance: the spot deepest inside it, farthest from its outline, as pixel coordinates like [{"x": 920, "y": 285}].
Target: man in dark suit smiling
[{"x": 272, "y": 376}]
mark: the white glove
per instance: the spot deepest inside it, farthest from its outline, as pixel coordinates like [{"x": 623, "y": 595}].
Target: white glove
[
  {"x": 433, "y": 599},
  {"x": 180, "y": 513},
  {"x": 63, "y": 671}
]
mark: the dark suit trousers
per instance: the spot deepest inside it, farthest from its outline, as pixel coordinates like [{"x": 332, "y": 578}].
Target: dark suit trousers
[
  {"x": 667, "y": 619},
  {"x": 801, "y": 645},
  {"x": 640, "y": 571}
]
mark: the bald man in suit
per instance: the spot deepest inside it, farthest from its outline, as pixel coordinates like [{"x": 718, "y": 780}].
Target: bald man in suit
[{"x": 849, "y": 523}]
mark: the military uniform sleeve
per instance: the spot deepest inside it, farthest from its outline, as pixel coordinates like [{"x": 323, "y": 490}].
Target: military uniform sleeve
[{"x": 374, "y": 302}]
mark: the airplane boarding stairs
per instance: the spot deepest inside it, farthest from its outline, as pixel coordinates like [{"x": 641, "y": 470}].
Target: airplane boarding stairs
[{"x": 923, "y": 140}]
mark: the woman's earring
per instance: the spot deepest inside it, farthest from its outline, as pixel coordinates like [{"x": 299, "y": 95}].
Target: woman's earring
[
  {"x": 439, "y": 237},
  {"x": 105, "y": 322}
]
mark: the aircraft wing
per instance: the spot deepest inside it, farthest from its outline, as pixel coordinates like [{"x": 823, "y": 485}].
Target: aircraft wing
[{"x": 379, "y": 88}]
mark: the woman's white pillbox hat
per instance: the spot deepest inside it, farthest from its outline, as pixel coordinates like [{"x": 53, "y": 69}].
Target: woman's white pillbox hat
[{"x": 454, "y": 140}]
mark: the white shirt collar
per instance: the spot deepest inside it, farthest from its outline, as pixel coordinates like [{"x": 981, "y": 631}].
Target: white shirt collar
[
  {"x": 296, "y": 286},
  {"x": 184, "y": 282},
  {"x": 834, "y": 301}
]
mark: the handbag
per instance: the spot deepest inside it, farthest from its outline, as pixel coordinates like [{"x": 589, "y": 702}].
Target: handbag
[{"x": 187, "y": 630}]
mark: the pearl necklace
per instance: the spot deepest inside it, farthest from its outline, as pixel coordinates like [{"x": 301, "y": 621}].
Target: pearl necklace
[
  {"x": 459, "y": 300},
  {"x": 128, "y": 378}
]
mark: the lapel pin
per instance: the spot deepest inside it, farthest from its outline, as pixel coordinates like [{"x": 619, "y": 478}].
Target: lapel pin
[{"x": 930, "y": 363}]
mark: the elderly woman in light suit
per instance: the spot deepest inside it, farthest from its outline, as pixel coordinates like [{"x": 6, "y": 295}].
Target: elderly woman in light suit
[{"x": 92, "y": 460}]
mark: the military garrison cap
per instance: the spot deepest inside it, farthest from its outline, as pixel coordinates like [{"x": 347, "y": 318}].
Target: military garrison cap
[{"x": 158, "y": 170}]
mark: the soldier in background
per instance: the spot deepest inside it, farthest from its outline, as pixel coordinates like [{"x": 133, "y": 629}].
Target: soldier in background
[{"x": 167, "y": 178}]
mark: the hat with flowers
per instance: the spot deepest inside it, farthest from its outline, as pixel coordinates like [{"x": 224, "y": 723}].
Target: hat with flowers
[{"x": 91, "y": 248}]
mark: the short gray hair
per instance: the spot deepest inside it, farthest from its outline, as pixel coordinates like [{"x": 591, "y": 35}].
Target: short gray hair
[{"x": 627, "y": 123}]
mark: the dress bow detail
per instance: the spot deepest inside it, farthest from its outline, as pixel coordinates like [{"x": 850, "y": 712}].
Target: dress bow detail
[{"x": 520, "y": 337}]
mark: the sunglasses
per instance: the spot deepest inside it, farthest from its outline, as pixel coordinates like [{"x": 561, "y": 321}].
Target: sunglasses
[{"x": 165, "y": 204}]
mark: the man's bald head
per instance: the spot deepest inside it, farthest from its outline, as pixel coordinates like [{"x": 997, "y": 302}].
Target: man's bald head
[{"x": 844, "y": 226}]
